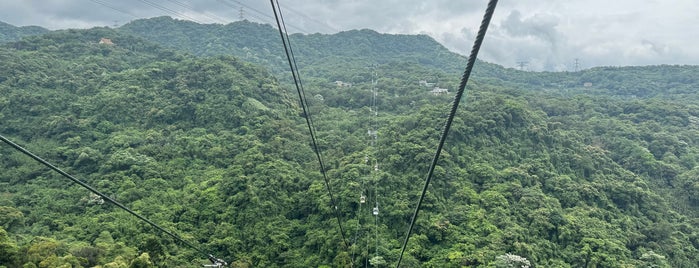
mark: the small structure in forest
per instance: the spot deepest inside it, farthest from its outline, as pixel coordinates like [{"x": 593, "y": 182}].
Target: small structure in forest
[
  {"x": 106, "y": 41},
  {"x": 425, "y": 83},
  {"x": 371, "y": 133},
  {"x": 439, "y": 91},
  {"x": 342, "y": 84}
]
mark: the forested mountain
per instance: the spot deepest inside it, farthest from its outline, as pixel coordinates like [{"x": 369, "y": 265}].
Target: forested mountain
[
  {"x": 598, "y": 168},
  {"x": 10, "y": 33},
  {"x": 346, "y": 55},
  {"x": 260, "y": 43}
]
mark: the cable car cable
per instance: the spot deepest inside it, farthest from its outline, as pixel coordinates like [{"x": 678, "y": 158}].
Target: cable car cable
[
  {"x": 375, "y": 146},
  {"x": 95, "y": 191},
  {"x": 362, "y": 200},
  {"x": 455, "y": 105},
  {"x": 304, "y": 105}
]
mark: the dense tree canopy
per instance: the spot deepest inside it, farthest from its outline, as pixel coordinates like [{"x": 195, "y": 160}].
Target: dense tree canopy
[{"x": 540, "y": 169}]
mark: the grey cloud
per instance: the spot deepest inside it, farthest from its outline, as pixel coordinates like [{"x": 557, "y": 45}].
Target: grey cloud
[
  {"x": 542, "y": 26},
  {"x": 658, "y": 49}
]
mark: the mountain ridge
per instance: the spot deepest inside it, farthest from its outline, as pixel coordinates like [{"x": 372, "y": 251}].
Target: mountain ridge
[{"x": 9, "y": 33}]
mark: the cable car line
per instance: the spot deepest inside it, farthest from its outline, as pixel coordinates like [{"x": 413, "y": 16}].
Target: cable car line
[
  {"x": 299, "y": 88},
  {"x": 373, "y": 135},
  {"x": 362, "y": 201},
  {"x": 105, "y": 197},
  {"x": 455, "y": 105}
]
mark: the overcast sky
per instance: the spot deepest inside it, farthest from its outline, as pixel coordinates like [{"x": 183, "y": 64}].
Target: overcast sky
[{"x": 548, "y": 34}]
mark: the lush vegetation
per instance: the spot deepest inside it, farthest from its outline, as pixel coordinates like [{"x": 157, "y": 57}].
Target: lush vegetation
[
  {"x": 538, "y": 170},
  {"x": 260, "y": 44},
  {"x": 10, "y": 33}
]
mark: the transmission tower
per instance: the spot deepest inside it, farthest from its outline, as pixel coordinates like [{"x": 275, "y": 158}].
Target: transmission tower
[
  {"x": 577, "y": 64},
  {"x": 522, "y": 64},
  {"x": 241, "y": 13}
]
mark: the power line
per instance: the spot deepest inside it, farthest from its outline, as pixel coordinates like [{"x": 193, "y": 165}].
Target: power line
[
  {"x": 455, "y": 105},
  {"x": 226, "y": 3},
  {"x": 299, "y": 88},
  {"x": 267, "y": 18},
  {"x": 113, "y": 8},
  {"x": 213, "y": 17},
  {"x": 170, "y": 11},
  {"x": 253, "y": 9},
  {"x": 95, "y": 191},
  {"x": 311, "y": 19}
]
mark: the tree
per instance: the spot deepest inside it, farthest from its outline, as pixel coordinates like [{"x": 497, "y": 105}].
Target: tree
[
  {"x": 377, "y": 261},
  {"x": 9, "y": 252},
  {"x": 11, "y": 218},
  {"x": 508, "y": 260},
  {"x": 653, "y": 260},
  {"x": 142, "y": 261},
  {"x": 42, "y": 249}
]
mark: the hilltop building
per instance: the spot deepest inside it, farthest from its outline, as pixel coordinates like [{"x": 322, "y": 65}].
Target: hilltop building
[
  {"x": 425, "y": 84},
  {"x": 106, "y": 41},
  {"x": 343, "y": 84},
  {"x": 439, "y": 91}
]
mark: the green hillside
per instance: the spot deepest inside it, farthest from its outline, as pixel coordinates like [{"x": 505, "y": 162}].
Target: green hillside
[
  {"x": 539, "y": 166},
  {"x": 259, "y": 43},
  {"x": 9, "y": 33}
]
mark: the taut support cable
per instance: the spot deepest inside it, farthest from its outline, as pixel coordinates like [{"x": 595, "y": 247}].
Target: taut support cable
[
  {"x": 455, "y": 105},
  {"x": 299, "y": 88},
  {"x": 95, "y": 191}
]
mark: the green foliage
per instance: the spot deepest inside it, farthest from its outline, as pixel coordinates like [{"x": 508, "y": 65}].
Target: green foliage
[
  {"x": 318, "y": 54},
  {"x": 11, "y": 218},
  {"x": 9, "y": 33},
  {"x": 9, "y": 252},
  {"x": 511, "y": 261},
  {"x": 537, "y": 167},
  {"x": 143, "y": 261},
  {"x": 377, "y": 261}
]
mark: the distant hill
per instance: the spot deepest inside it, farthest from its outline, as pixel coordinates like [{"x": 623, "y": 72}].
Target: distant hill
[
  {"x": 9, "y": 33},
  {"x": 346, "y": 55},
  {"x": 260, "y": 43}
]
